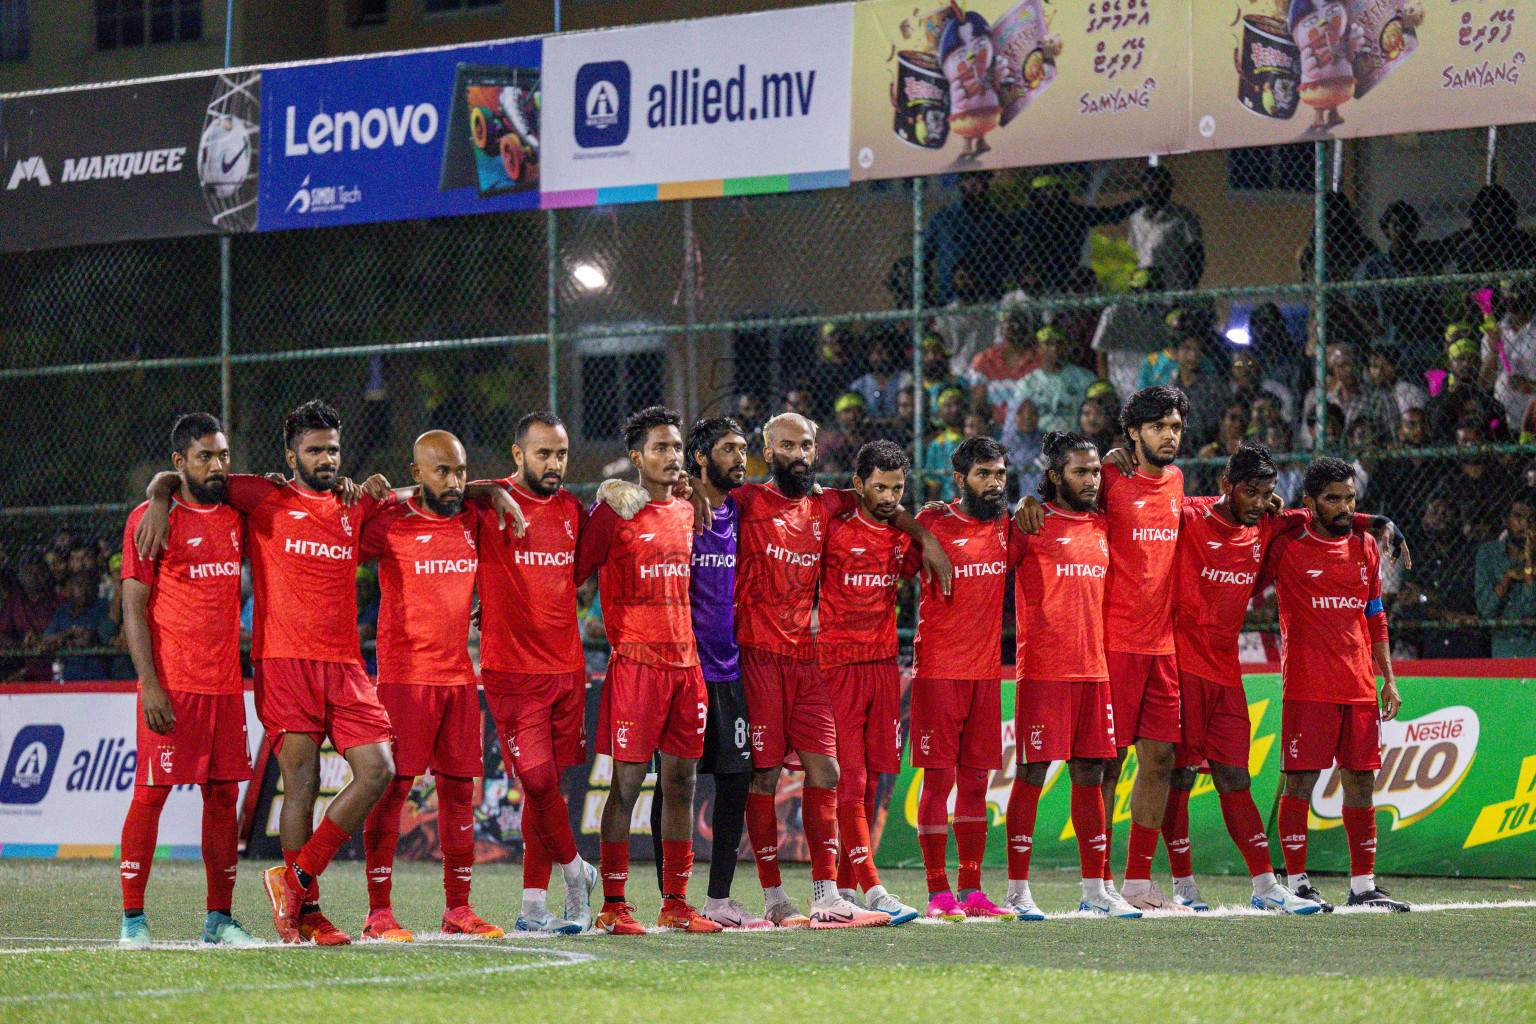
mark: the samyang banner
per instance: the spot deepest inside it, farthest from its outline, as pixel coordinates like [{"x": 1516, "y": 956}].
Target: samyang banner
[
  {"x": 1456, "y": 793},
  {"x": 149, "y": 159}
]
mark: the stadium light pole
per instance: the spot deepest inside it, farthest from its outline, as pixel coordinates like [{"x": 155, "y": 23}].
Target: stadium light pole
[
  {"x": 552, "y": 298},
  {"x": 918, "y": 284},
  {"x": 691, "y": 306},
  {"x": 225, "y": 283},
  {"x": 1319, "y": 295}
]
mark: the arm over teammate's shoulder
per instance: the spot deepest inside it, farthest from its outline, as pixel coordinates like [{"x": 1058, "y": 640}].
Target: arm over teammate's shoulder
[
  {"x": 244, "y": 491},
  {"x": 595, "y": 540}
]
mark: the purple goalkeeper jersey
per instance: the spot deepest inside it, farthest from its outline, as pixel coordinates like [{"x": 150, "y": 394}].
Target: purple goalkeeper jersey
[{"x": 712, "y": 595}]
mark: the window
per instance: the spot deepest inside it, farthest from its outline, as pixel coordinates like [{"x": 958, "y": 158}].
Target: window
[
  {"x": 447, "y": 6},
  {"x": 122, "y": 23},
  {"x": 367, "y": 12},
  {"x": 14, "y": 41},
  {"x": 1271, "y": 168}
]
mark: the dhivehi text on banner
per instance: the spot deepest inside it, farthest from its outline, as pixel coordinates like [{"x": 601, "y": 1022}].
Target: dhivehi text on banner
[
  {"x": 151, "y": 159},
  {"x": 1274, "y": 71},
  {"x": 1456, "y": 793},
  {"x": 428, "y": 133},
  {"x": 1007, "y": 83},
  {"x": 718, "y": 106}
]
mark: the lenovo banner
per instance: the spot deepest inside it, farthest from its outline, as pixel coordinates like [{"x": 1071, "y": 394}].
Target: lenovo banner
[
  {"x": 429, "y": 133},
  {"x": 151, "y": 159}
]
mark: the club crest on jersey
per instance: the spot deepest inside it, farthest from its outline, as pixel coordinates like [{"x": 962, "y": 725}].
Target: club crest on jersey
[
  {"x": 234, "y": 539},
  {"x": 1258, "y": 553},
  {"x": 816, "y": 528},
  {"x": 923, "y": 744},
  {"x": 1363, "y": 577},
  {"x": 1036, "y": 736},
  {"x": 1103, "y": 545},
  {"x": 165, "y": 759},
  {"x": 621, "y": 736},
  {"x": 346, "y": 524},
  {"x": 469, "y": 539},
  {"x": 1173, "y": 503},
  {"x": 568, "y": 531}
]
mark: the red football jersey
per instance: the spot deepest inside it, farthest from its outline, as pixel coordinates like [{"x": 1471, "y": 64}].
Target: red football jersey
[
  {"x": 1059, "y": 576},
  {"x": 426, "y": 593},
  {"x": 528, "y": 586},
  {"x": 778, "y": 563},
  {"x": 303, "y": 550},
  {"x": 194, "y": 596},
  {"x": 1143, "y": 516},
  {"x": 860, "y": 569},
  {"x": 1330, "y": 614},
  {"x": 960, "y": 636},
  {"x": 642, "y": 579}
]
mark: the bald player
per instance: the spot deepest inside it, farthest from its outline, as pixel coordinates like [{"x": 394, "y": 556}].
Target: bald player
[{"x": 428, "y": 555}]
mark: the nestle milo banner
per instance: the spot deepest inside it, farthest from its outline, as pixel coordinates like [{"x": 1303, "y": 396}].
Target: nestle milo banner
[{"x": 1456, "y": 793}]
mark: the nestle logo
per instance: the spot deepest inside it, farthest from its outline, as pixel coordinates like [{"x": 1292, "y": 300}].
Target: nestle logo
[
  {"x": 29, "y": 768},
  {"x": 602, "y": 104}
]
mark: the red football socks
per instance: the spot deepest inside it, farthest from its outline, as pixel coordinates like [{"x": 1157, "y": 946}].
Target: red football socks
[
  {"x": 1023, "y": 803},
  {"x": 1293, "y": 834},
  {"x": 140, "y": 830},
  {"x": 381, "y": 835},
  {"x": 1138, "y": 856},
  {"x": 1360, "y": 829},
  {"x": 615, "y": 868},
  {"x": 818, "y": 811},
  {"x": 763, "y": 833},
  {"x": 544, "y": 811},
  {"x": 933, "y": 826},
  {"x": 1176, "y": 832},
  {"x": 676, "y": 867},
  {"x": 221, "y": 842},
  {"x": 970, "y": 825},
  {"x": 1247, "y": 830},
  {"x": 323, "y": 845},
  {"x": 456, "y": 836},
  {"x": 853, "y": 828},
  {"x": 1092, "y": 835},
  {"x": 536, "y": 862}
]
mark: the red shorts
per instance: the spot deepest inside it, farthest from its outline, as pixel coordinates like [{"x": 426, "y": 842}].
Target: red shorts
[
  {"x": 436, "y": 727},
  {"x": 1216, "y": 724},
  {"x": 1062, "y": 721},
  {"x": 1145, "y": 688},
  {"x": 646, "y": 708},
  {"x": 540, "y": 717},
  {"x": 1315, "y": 733},
  {"x": 957, "y": 722},
  {"x": 866, "y": 705},
  {"x": 206, "y": 744},
  {"x": 788, "y": 705},
  {"x": 319, "y": 699}
]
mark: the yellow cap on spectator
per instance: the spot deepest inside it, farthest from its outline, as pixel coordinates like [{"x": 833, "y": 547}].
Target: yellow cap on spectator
[
  {"x": 1462, "y": 347},
  {"x": 1050, "y": 332},
  {"x": 1047, "y": 180},
  {"x": 850, "y": 400}
]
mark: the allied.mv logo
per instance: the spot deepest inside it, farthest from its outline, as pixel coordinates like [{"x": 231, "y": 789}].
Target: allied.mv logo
[{"x": 602, "y": 104}]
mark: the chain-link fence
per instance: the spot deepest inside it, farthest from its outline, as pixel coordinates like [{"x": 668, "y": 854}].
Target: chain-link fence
[{"x": 921, "y": 310}]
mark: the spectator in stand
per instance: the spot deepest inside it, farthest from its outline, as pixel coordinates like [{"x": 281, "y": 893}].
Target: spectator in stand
[
  {"x": 798, "y": 401},
  {"x": 1057, "y": 389},
  {"x": 1345, "y": 243},
  {"x": 1509, "y": 352},
  {"x": 1273, "y": 345},
  {"x": 1495, "y": 241},
  {"x": 1053, "y": 229},
  {"x": 885, "y": 378},
  {"x": 1462, "y": 394},
  {"x": 965, "y": 329},
  {"x": 1249, "y": 382},
  {"x": 1381, "y": 366},
  {"x": 1505, "y": 580},
  {"x": 937, "y": 374},
  {"x": 900, "y": 429},
  {"x": 1166, "y": 236},
  {"x": 952, "y": 415},
  {"x": 839, "y": 446},
  {"x": 1205, "y": 384},
  {"x": 836, "y": 367},
  {"x": 77, "y": 622},
  {"x": 1266, "y": 410},
  {"x": 1440, "y": 586},
  {"x": 1352, "y": 392},
  {"x": 1479, "y": 477},
  {"x": 1403, "y": 320},
  {"x": 1399, "y": 493},
  {"x": 996, "y": 371},
  {"x": 1334, "y": 421},
  {"x": 973, "y": 229},
  {"x": 26, "y": 616},
  {"x": 1097, "y": 424},
  {"x": 1128, "y": 333},
  {"x": 1277, "y": 438},
  {"x": 1231, "y": 431},
  {"x": 749, "y": 412},
  {"x": 1364, "y": 440},
  {"x": 1024, "y": 440}
]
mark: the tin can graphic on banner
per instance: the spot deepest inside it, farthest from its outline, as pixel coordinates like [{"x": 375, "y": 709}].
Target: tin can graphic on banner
[
  {"x": 1268, "y": 68},
  {"x": 921, "y": 98}
]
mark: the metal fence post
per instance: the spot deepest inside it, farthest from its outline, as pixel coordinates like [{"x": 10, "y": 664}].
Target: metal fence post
[
  {"x": 1319, "y": 296},
  {"x": 918, "y": 283},
  {"x": 225, "y": 276},
  {"x": 691, "y": 306},
  {"x": 551, "y": 240}
]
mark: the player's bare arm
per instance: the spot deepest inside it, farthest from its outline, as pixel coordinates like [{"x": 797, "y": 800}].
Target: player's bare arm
[
  {"x": 155, "y": 702},
  {"x": 935, "y": 562},
  {"x": 1391, "y": 700}
]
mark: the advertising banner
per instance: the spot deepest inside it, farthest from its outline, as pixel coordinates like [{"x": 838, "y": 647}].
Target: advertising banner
[
  {"x": 429, "y": 133},
  {"x": 1273, "y": 71},
  {"x": 1006, "y": 83},
  {"x": 68, "y": 771},
  {"x": 1455, "y": 795},
  {"x": 718, "y": 106},
  {"x": 151, "y": 159}
]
